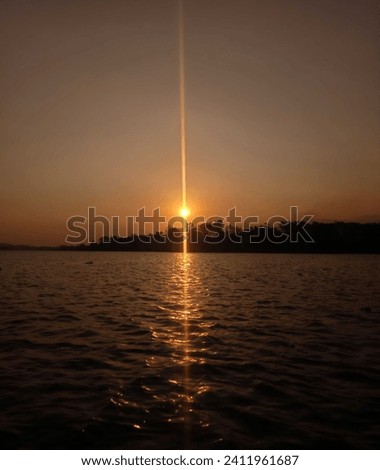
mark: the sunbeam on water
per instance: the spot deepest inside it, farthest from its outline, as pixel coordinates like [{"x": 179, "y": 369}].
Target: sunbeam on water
[{"x": 183, "y": 333}]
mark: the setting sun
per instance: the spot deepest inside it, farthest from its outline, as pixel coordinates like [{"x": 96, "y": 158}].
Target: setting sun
[{"x": 184, "y": 212}]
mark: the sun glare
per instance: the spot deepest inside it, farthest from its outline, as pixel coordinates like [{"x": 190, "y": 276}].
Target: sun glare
[{"x": 184, "y": 212}]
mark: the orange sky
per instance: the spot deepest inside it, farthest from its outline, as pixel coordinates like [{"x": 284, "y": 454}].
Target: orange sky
[{"x": 281, "y": 101}]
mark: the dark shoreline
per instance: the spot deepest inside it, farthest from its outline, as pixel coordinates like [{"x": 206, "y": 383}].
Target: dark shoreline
[
  {"x": 97, "y": 249},
  {"x": 294, "y": 237}
]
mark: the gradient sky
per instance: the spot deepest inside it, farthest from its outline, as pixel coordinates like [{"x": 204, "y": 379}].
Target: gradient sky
[{"x": 281, "y": 109}]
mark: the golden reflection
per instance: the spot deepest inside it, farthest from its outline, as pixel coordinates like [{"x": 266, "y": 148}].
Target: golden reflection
[
  {"x": 187, "y": 396},
  {"x": 187, "y": 344},
  {"x": 181, "y": 326}
]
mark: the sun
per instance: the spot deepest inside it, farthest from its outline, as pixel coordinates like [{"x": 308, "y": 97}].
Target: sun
[{"x": 184, "y": 212}]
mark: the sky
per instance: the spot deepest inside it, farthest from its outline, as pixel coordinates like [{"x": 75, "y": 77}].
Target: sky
[{"x": 281, "y": 109}]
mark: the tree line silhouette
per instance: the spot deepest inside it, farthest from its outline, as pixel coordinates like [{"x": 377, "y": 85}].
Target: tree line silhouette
[{"x": 293, "y": 237}]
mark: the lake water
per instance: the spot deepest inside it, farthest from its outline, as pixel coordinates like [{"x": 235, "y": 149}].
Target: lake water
[{"x": 165, "y": 350}]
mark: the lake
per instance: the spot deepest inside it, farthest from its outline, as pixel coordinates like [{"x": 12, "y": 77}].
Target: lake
[{"x": 204, "y": 351}]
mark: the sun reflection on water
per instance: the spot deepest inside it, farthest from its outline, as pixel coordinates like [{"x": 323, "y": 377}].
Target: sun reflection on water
[
  {"x": 184, "y": 333},
  {"x": 171, "y": 386}
]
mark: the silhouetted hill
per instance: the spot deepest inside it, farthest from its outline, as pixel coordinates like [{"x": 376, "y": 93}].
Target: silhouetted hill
[
  {"x": 338, "y": 237},
  {"x": 10, "y": 246},
  {"x": 295, "y": 237}
]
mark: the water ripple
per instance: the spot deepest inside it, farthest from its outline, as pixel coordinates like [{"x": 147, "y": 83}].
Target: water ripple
[{"x": 161, "y": 350}]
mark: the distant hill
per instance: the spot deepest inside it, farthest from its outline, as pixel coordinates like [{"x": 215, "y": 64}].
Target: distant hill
[{"x": 294, "y": 237}]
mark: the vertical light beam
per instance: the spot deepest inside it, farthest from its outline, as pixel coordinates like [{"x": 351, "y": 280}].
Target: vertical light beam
[{"x": 182, "y": 101}]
